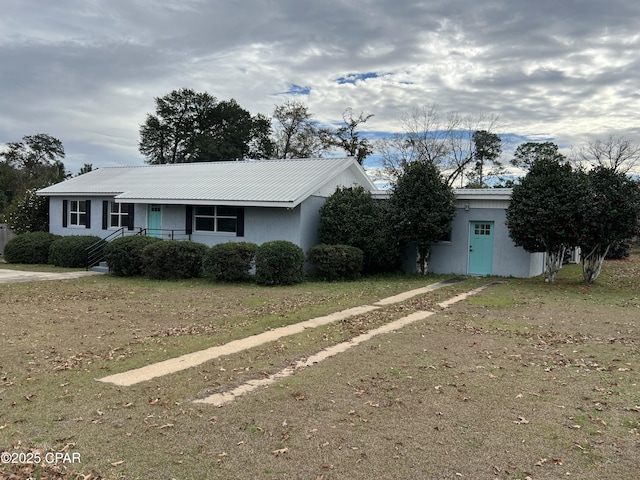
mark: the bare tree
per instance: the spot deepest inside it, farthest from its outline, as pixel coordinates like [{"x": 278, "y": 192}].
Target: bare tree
[
  {"x": 616, "y": 153},
  {"x": 445, "y": 142}
]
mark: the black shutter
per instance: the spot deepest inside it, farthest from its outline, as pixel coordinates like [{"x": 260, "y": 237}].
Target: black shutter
[
  {"x": 105, "y": 214},
  {"x": 65, "y": 213},
  {"x": 188, "y": 229},
  {"x": 88, "y": 217},
  {"x": 130, "y": 219},
  {"x": 240, "y": 222}
]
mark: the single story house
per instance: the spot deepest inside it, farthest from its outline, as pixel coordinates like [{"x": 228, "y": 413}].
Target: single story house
[
  {"x": 211, "y": 203},
  {"x": 259, "y": 201}
]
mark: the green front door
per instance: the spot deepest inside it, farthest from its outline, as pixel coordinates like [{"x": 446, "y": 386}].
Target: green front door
[
  {"x": 154, "y": 221},
  {"x": 480, "y": 248}
]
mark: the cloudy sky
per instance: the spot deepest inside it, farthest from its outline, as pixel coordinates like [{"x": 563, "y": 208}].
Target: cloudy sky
[{"x": 87, "y": 71}]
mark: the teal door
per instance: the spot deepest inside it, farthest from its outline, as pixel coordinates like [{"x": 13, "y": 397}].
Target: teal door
[
  {"x": 154, "y": 221},
  {"x": 480, "y": 248}
]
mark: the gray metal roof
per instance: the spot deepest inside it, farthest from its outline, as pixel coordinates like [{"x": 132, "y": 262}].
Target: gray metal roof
[{"x": 251, "y": 182}]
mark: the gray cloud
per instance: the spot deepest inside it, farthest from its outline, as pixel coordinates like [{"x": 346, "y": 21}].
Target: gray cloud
[{"x": 87, "y": 72}]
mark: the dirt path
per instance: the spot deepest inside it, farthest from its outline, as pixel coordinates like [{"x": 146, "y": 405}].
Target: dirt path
[{"x": 194, "y": 359}]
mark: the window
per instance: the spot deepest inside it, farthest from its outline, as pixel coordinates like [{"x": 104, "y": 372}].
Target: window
[
  {"x": 482, "y": 229},
  {"x": 118, "y": 214},
  {"x": 78, "y": 213},
  {"x": 216, "y": 219}
]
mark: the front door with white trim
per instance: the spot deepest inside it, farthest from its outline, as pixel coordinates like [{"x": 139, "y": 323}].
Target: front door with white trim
[
  {"x": 480, "y": 248},
  {"x": 154, "y": 221}
]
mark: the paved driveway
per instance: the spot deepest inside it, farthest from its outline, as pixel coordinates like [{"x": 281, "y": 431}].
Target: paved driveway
[{"x": 12, "y": 276}]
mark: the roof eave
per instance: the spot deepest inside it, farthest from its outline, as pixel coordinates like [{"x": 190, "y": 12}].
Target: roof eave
[{"x": 221, "y": 202}]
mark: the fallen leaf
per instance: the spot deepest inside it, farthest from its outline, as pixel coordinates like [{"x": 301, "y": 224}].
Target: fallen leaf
[
  {"x": 521, "y": 421},
  {"x": 166, "y": 425},
  {"x": 115, "y": 464},
  {"x": 280, "y": 451}
]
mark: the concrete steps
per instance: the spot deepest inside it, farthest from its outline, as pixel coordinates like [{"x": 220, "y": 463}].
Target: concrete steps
[{"x": 102, "y": 267}]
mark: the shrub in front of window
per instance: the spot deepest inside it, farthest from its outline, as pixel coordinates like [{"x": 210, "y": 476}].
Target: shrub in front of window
[
  {"x": 124, "y": 254},
  {"x": 71, "y": 251},
  {"x": 230, "y": 262},
  {"x": 173, "y": 259},
  {"x": 336, "y": 262},
  {"x": 279, "y": 262},
  {"x": 30, "y": 247}
]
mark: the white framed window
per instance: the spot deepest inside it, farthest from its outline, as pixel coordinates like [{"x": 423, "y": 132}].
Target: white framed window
[
  {"x": 118, "y": 214},
  {"x": 78, "y": 213},
  {"x": 215, "y": 219}
]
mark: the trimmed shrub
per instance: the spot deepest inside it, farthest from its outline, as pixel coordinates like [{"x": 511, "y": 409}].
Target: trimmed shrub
[
  {"x": 124, "y": 254},
  {"x": 279, "y": 262},
  {"x": 71, "y": 251},
  {"x": 29, "y": 247},
  {"x": 230, "y": 262},
  {"x": 336, "y": 262},
  {"x": 173, "y": 259}
]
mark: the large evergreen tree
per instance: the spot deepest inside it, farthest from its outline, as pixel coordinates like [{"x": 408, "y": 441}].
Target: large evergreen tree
[
  {"x": 609, "y": 213},
  {"x": 423, "y": 206},
  {"x": 190, "y": 126},
  {"x": 543, "y": 212}
]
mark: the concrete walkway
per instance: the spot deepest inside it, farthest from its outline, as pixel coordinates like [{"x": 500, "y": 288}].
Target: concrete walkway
[
  {"x": 194, "y": 359},
  {"x": 219, "y": 399},
  {"x": 14, "y": 276}
]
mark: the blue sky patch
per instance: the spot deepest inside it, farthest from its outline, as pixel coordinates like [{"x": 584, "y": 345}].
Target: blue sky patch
[
  {"x": 354, "y": 77},
  {"x": 295, "y": 89}
]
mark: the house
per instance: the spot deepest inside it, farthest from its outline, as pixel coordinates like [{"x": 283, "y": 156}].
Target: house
[
  {"x": 479, "y": 243},
  {"x": 211, "y": 203},
  {"x": 258, "y": 201}
]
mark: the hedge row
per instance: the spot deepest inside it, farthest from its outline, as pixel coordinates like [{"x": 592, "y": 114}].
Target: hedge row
[
  {"x": 272, "y": 263},
  {"x": 43, "y": 247}
]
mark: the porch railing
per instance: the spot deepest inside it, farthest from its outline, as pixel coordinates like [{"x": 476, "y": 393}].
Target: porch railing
[{"x": 95, "y": 251}]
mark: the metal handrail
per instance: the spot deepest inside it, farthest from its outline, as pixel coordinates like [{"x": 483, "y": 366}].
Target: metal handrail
[{"x": 95, "y": 254}]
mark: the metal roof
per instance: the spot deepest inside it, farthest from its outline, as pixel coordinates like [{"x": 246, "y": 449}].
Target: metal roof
[{"x": 283, "y": 183}]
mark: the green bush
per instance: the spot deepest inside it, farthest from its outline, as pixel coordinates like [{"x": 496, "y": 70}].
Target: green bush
[
  {"x": 173, "y": 259},
  {"x": 279, "y": 263},
  {"x": 29, "y": 247},
  {"x": 230, "y": 262},
  {"x": 351, "y": 216},
  {"x": 336, "y": 262},
  {"x": 124, "y": 254},
  {"x": 71, "y": 251},
  {"x": 619, "y": 250}
]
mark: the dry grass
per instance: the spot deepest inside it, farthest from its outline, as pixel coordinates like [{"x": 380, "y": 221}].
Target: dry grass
[{"x": 525, "y": 380}]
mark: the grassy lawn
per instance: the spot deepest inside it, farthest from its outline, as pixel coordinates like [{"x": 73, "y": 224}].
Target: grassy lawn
[{"x": 526, "y": 379}]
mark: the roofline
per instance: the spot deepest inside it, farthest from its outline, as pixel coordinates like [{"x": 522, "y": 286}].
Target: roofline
[{"x": 220, "y": 202}]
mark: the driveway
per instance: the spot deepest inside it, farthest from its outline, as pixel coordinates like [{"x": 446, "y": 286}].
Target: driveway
[{"x": 13, "y": 276}]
